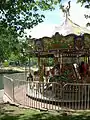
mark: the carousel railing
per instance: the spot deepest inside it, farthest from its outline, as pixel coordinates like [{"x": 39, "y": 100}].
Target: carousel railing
[
  {"x": 48, "y": 95},
  {"x": 76, "y": 95}
]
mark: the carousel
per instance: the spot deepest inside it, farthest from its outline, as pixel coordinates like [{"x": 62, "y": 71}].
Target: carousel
[{"x": 63, "y": 58}]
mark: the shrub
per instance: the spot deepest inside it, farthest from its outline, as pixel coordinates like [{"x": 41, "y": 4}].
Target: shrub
[{"x": 6, "y": 64}]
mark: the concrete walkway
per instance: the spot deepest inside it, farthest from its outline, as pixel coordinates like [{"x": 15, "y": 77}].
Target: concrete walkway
[
  {"x": 12, "y": 69},
  {"x": 1, "y": 96}
]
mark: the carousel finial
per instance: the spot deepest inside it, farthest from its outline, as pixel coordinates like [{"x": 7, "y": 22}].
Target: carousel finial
[{"x": 66, "y": 10}]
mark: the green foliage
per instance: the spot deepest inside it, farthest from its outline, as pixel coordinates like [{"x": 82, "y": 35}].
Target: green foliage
[
  {"x": 5, "y": 64},
  {"x": 49, "y": 61},
  {"x": 15, "y": 16},
  {"x": 86, "y": 3},
  {"x": 8, "y": 42},
  {"x": 13, "y": 57},
  {"x": 61, "y": 78},
  {"x": 21, "y": 14},
  {"x": 87, "y": 41},
  {"x": 8, "y": 112},
  {"x": 83, "y": 1}
]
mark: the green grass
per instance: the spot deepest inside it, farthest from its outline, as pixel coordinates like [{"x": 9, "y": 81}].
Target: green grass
[{"x": 8, "y": 112}]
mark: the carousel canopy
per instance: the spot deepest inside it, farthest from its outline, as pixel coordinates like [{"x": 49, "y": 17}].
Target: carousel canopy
[
  {"x": 66, "y": 39},
  {"x": 69, "y": 27}
]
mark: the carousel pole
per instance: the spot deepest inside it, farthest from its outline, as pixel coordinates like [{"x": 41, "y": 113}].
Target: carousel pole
[
  {"x": 39, "y": 64},
  {"x": 60, "y": 62}
]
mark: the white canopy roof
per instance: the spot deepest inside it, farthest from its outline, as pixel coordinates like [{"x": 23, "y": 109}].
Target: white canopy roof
[{"x": 68, "y": 27}]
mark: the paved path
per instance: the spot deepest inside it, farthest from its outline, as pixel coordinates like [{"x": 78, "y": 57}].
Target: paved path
[{"x": 1, "y": 95}]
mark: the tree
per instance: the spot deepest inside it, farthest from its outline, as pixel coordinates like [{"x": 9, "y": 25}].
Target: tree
[
  {"x": 21, "y": 14},
  {"x": 8, "y": 42},
  {"x": 17, "y": 15},
  {"x": 86, "y": 3}
]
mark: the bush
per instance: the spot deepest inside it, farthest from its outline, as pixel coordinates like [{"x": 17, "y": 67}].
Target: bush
[{"x": 6, "y": 64}]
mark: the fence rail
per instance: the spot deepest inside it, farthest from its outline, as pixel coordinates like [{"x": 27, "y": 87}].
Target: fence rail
[{"x": 49, "y": 95}]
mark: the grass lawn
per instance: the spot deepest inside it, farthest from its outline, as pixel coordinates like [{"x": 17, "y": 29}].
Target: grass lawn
[{"x": 8, "y": 112}]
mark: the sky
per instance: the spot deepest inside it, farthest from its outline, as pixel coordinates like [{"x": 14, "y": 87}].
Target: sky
[{"x": 56, "y": 18}]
